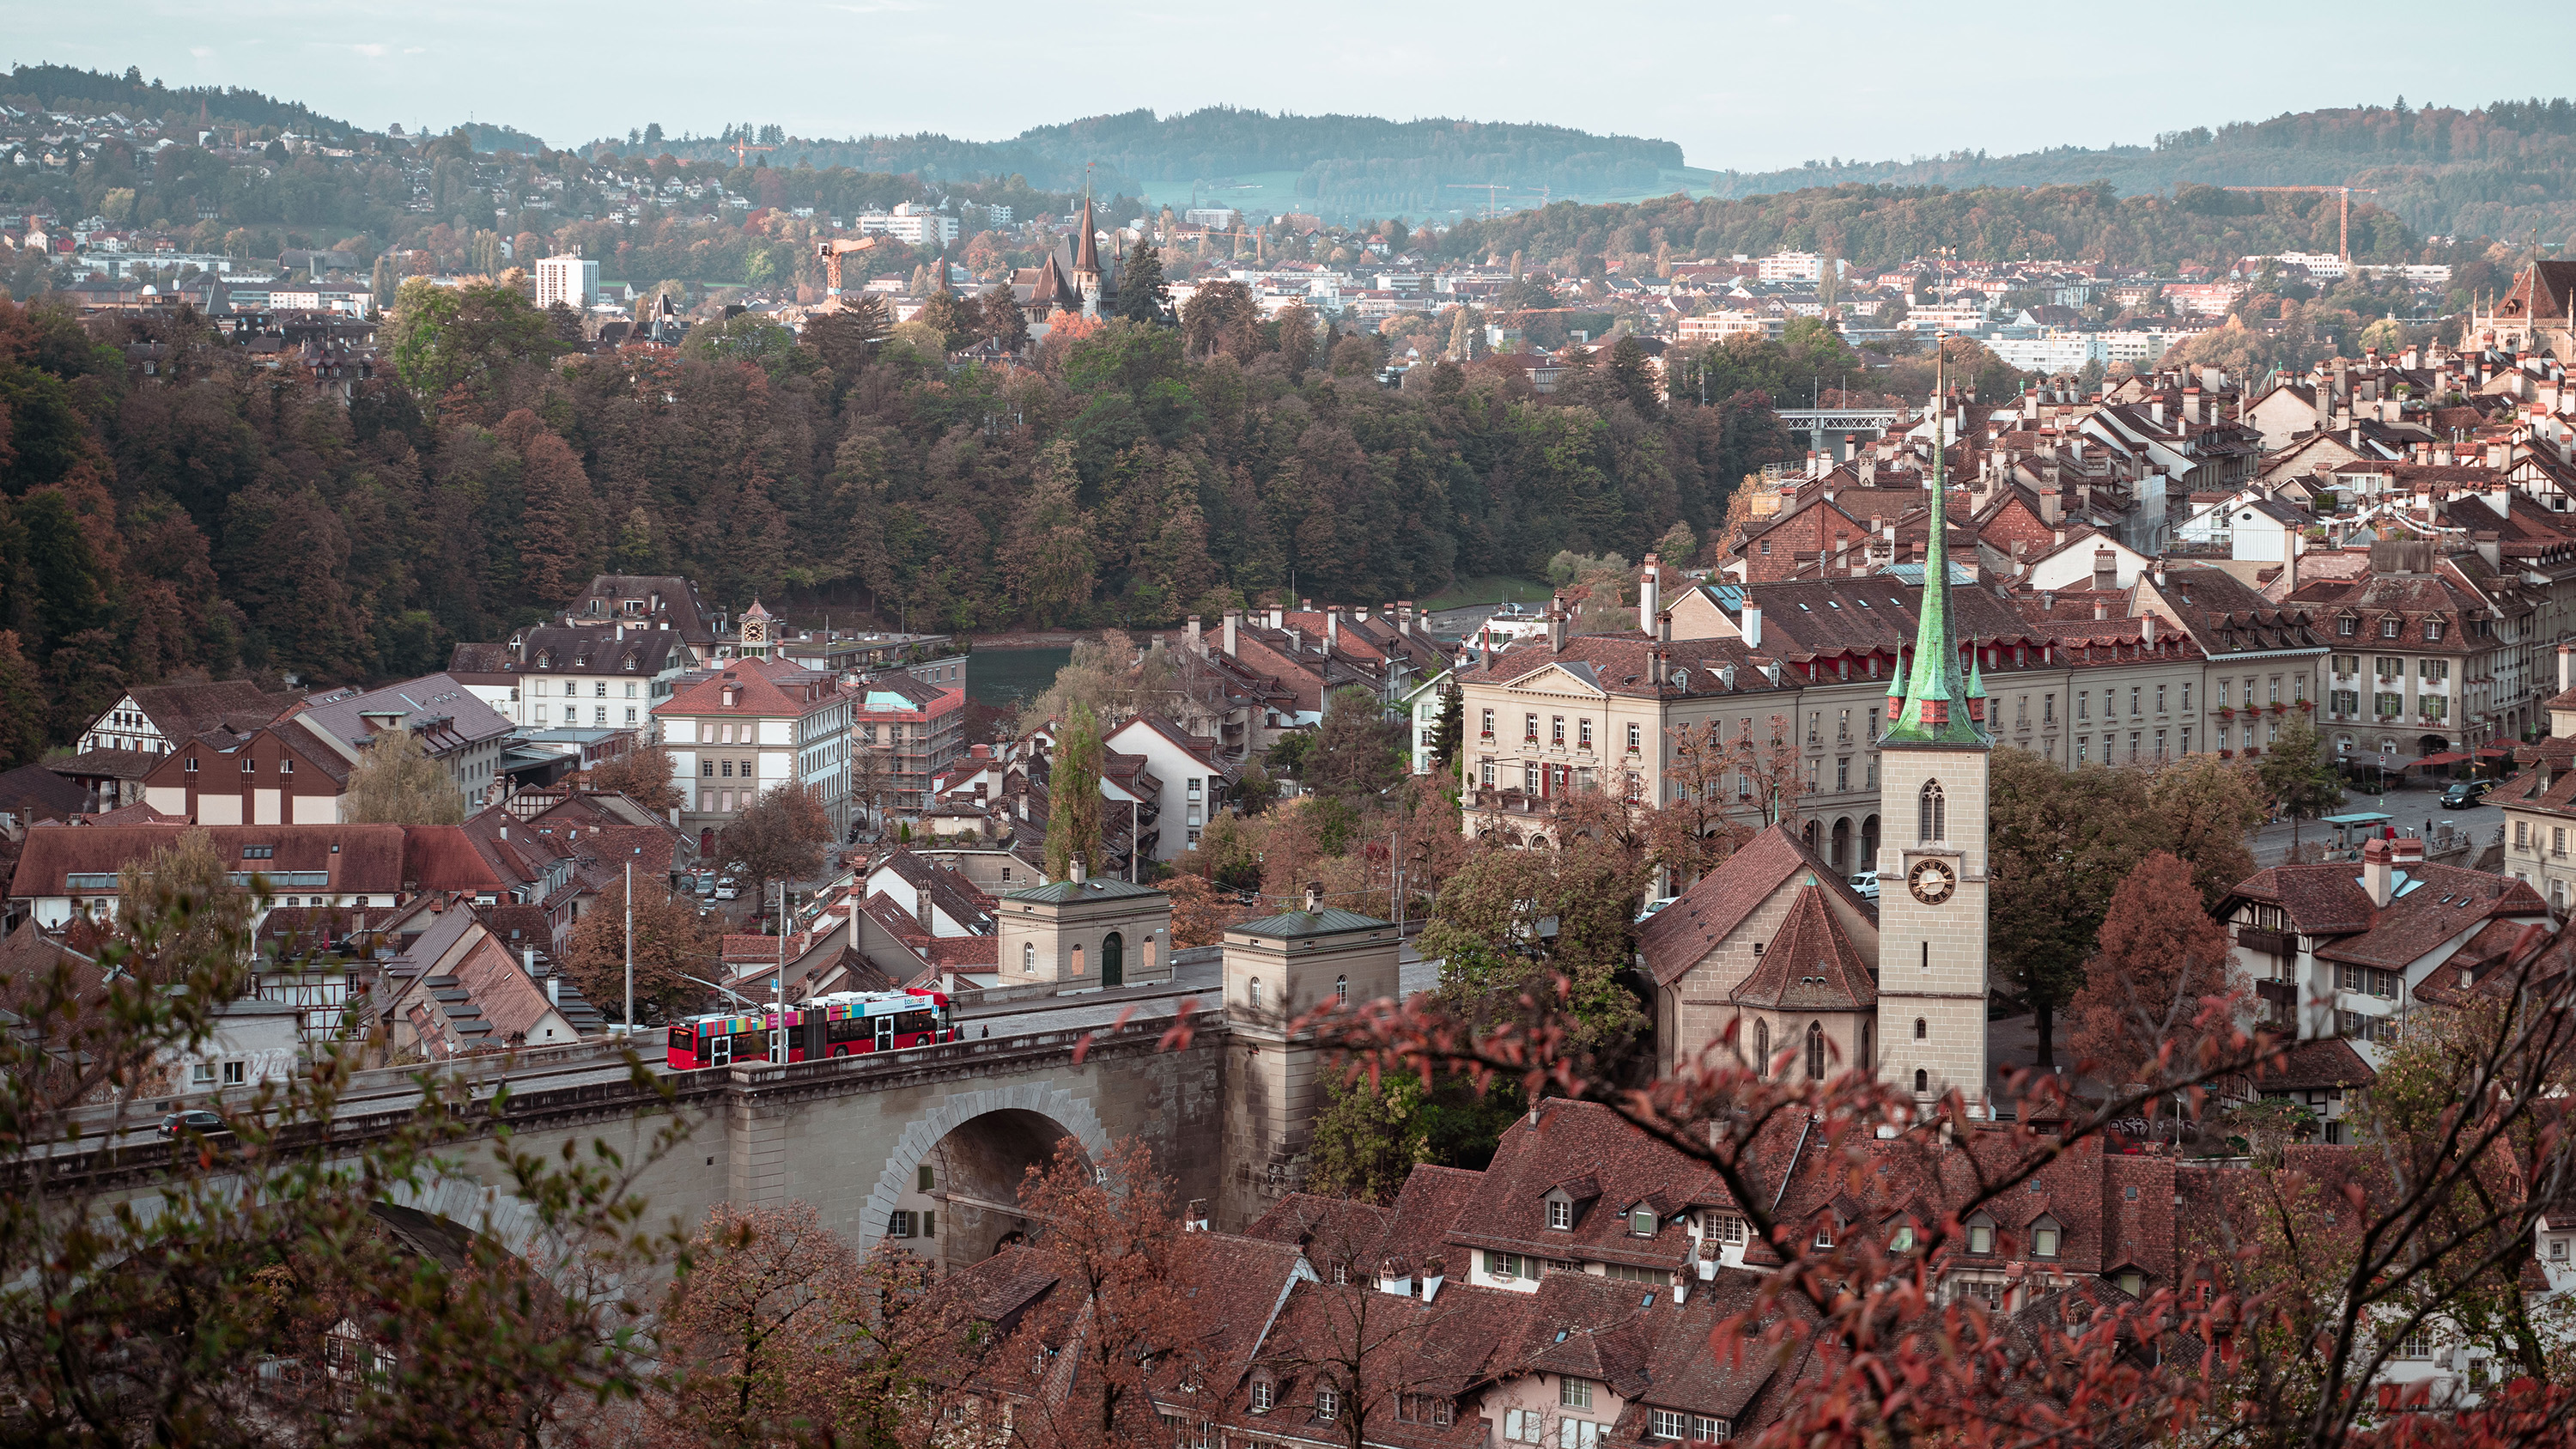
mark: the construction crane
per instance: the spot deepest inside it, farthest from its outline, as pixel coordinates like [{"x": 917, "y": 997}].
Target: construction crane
[
  {"x": 741, "y": 148},
  {"x": 2343, "y": 220},
  {"x": 1493, "y": 189},
  {"x": 831, "y": 251}
]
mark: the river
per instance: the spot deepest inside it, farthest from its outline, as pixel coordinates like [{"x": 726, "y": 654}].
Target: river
[{"x": 1008, "y": 676}]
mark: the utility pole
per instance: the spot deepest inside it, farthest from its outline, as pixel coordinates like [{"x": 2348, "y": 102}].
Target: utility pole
[
  {"x": 630, "y": 948},
  {"x": 778, "y": 986}
]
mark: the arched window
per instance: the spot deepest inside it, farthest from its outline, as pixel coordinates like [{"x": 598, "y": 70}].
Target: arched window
[
  {"x": 1256, "y": 993},
  {"x": 1921, "y": 1030},
  {"x": 1922, "y": 1080},
  {"x": 1762, "y": 1048},
  {"x": 1077, "y": 960},
  {"x": 1341, "y": 990},
  {"x": 1028, "y": 958},
  {"x": 1815, "y": 1051},
  {"x": 1934, "y": 814}
]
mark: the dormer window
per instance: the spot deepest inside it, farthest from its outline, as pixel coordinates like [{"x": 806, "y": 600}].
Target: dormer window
[
  {"x": 2388, "y": 627},
  {"x": 1560, "y": 1215},
  {"x": 1641, "y": 1222},
  {"x": 1981, "y": 1234},
  {"x": 2044, "y": 1238},
  {"x": 1824, "y": 1232},
  {"x": 1263, "y": 1396}
]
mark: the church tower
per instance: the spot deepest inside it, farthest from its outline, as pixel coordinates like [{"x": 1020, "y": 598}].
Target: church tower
[
  {"x": 1934, "y": 765},
  {"x": 1086, "y": 261}
]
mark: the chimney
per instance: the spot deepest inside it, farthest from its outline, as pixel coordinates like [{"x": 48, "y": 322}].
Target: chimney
[
  {"x": 2099, "y": 611},
  {"x": 554, "y": 989},
  {"x": 1233, "y": 618},
  {"x": 1404, "y": 616},
  {"x": 2106, "y": 569},
  {"x": 1708, "y": 1253},
  {"x": 2048, "y": 505},
  {"x": 2406, "y": 850},
  {"x": 1649, "y": 590},
  {"x": 1314, "y": 897},
  {"x": 1556, "y": 625},
  {"x": 1655, "y": 663},
  {"x": 2374, "y": 872},
  {"x": 1664, "y": 625},
  {"x": 528, "y": 960},
  {"x": 1395, "y": 1278},
  {"x": 1435, "y": 1271},
  {"x": 2147, "y": 628},
  {"x": 1332, "y": 627},
  {"x": 1752, "y": 625},
  {"x": 1278, "y": 617},
  {"x": 2566, "y": 661},
  {"x": 1190, "y": 633},
  {"x": 1077, "y": 870}
]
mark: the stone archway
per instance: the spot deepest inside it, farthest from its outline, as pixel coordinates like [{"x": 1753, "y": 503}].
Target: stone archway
[
  {"x": 1028, "y": 1110},
  {"x": 1842, "y": 844}
]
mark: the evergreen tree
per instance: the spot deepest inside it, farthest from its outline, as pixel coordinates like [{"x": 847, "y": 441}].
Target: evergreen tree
[
  {"x": 1048, "y": 557},
  {"x": 1002, "y": 320},
  {"x": 1073, "y": 795},
  {"x": 1142, "y": 297},
  {"x": 22, "y": 706},
  {"x": 1452, "y": 736}
]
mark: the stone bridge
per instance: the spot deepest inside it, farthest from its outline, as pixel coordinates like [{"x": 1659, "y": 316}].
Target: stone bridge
[{"x": 928, "y": 1144}]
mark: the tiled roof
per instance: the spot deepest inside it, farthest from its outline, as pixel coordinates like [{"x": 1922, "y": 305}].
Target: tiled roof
[
  {"x": 1061, "y": 892},
  {"x": 1291, "y": 925},
  {"x": 1680, "y": 935},
  {"x": 1810, "y": 964},
  {"x": 2429, "y": 904},
  {"x": 1608, "y": 1166},
  {"x": 358, "y": 859}
]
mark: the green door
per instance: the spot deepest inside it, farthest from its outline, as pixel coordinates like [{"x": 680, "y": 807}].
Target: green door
[{"x": 1113, "y": 960}]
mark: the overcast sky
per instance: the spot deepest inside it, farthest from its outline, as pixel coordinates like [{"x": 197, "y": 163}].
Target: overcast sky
[{"x": 1749, "y": 86}]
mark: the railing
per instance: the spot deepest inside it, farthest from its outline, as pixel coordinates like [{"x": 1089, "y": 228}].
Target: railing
[{"x": 2270, "y": 943}]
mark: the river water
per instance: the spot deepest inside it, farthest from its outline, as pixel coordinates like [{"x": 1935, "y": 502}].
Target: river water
[{"x": 1008, "y": 676}]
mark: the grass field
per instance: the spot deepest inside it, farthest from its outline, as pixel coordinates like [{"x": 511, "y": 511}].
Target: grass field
[{"x": 1490, "y": 589}]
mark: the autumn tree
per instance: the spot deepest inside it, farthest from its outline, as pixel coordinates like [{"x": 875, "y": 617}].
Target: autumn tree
[
  {"x": 1695, "y": 830},
  {"x": 644, "y": 774},
  {"x": 170, "y": 1327},
  {"x": 672, "y": 943},
  {"x": 1073, "y": 796},
  {"x": 1002, "y": 320},
  {"x": 1199, "y": 913},
  {"x": 396, "y": 783},
  {"x": 1110, "y": 1232},
  {"x": 872, "y": 776},
  {"x": 2205, "y": 810},
  {"x": 777, "y": 837},
  {"x": 22, "y": 706},
  {"x": 2160, "y": 957},
  {"x": 760, "y": 1331}
]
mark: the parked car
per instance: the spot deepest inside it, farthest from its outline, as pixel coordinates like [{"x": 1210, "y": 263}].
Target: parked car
[
  {"x": 725, "y": 889},
  {"x": 1865, "y": 884},
  {"x": 1654, "y": 906},
  {"x": 2465, "y": 793},
  {"x": 199, "y": 1121}
]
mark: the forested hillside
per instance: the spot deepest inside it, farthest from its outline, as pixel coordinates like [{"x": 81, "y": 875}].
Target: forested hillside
[
  {"x": 1345, "y": 164},
  {"x": 2501, "y": 170},
  {"x": 220, "y": 516},
  {"x": 66, "y": 88},
  {"x": 1875, "y": 227}
]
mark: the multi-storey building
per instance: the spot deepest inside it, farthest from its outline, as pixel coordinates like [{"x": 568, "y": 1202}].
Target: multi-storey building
[
  {"x": 738, "y": 732},
  {"x": 915, "y": 729},
  {"x": 2416, "y": 654},
  {"x": 560, "y": 676},
  {"x": 573, "y": 281}
]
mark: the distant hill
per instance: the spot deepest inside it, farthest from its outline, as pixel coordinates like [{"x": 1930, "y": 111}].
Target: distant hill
[
  {"x": 1332, "y": 165},
  {"x": 2500, "y": 170},
  {"x": 64, "y": 88}
]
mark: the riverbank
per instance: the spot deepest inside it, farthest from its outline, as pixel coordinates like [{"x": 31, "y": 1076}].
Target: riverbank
[{"x": 1029, "y": 639}]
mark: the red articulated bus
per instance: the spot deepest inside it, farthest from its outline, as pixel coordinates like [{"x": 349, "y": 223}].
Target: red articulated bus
[{"x": 842, "y": 1024}]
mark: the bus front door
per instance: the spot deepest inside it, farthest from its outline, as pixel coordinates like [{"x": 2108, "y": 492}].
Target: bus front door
[{"x": 720, "y": 1049}]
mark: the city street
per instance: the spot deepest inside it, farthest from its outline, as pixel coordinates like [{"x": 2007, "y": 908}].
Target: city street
[{"x": 2410, "y": 810}]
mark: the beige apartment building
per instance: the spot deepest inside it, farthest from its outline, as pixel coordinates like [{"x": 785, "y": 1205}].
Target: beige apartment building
[{"x": 2181, "y": 663}]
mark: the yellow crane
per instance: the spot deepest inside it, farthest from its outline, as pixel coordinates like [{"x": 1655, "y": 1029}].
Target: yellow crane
[
  {"x": 2343, "y": 219},
  {"x": 741, "y": 148},
  {"x": 1493, "y": 189},
  {"x": 831, "y": 251}
]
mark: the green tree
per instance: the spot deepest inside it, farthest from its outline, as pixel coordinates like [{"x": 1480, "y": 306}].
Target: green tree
[
  {"x": 1073, "y": 795},
  {"x": 1048, "y": 556},
  {"x": 1356, "y": 752},
  {"x": 2060, "y": 842},
  {"x": 444, "y": 337},
  {"x": 397, "y": 783},
  {"x": 1366, "y": 1140},
  {"x": 1142, "y": 297},
  {"x": 2297, "y": 775},
  {"x": 1452, "y": 734}
]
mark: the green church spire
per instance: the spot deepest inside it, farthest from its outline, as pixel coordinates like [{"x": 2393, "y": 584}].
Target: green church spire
[{"x": 1934, "y": 707}]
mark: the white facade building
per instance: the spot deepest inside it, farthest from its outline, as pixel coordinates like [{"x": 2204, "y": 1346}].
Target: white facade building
[{"x": 573, "y": 281}]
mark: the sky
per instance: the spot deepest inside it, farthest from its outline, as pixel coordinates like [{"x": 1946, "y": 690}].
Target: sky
[{"x": 1741, "y": 86}]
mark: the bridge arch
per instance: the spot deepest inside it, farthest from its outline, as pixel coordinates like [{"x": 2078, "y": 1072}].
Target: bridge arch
[{"x": 1035, "y": 1113}]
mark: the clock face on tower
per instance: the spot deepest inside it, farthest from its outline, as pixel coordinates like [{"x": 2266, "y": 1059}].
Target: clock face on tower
[{"x": 1931, "y": 881}]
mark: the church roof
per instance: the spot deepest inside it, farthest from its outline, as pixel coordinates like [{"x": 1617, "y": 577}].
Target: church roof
[
  {"x": 1811, "y": 965},
  {"x": 1681, "y": 935}
]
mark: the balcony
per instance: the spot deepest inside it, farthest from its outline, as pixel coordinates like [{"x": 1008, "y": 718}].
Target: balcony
[
  {"x": 2279, "y": 945},
  {"x": 2282, "y": 994}
]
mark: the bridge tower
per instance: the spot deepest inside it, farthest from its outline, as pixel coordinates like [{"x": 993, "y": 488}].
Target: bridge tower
[
  {"x": 1278, "y": 969},
  {"x": 1085, "y": 935}
]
